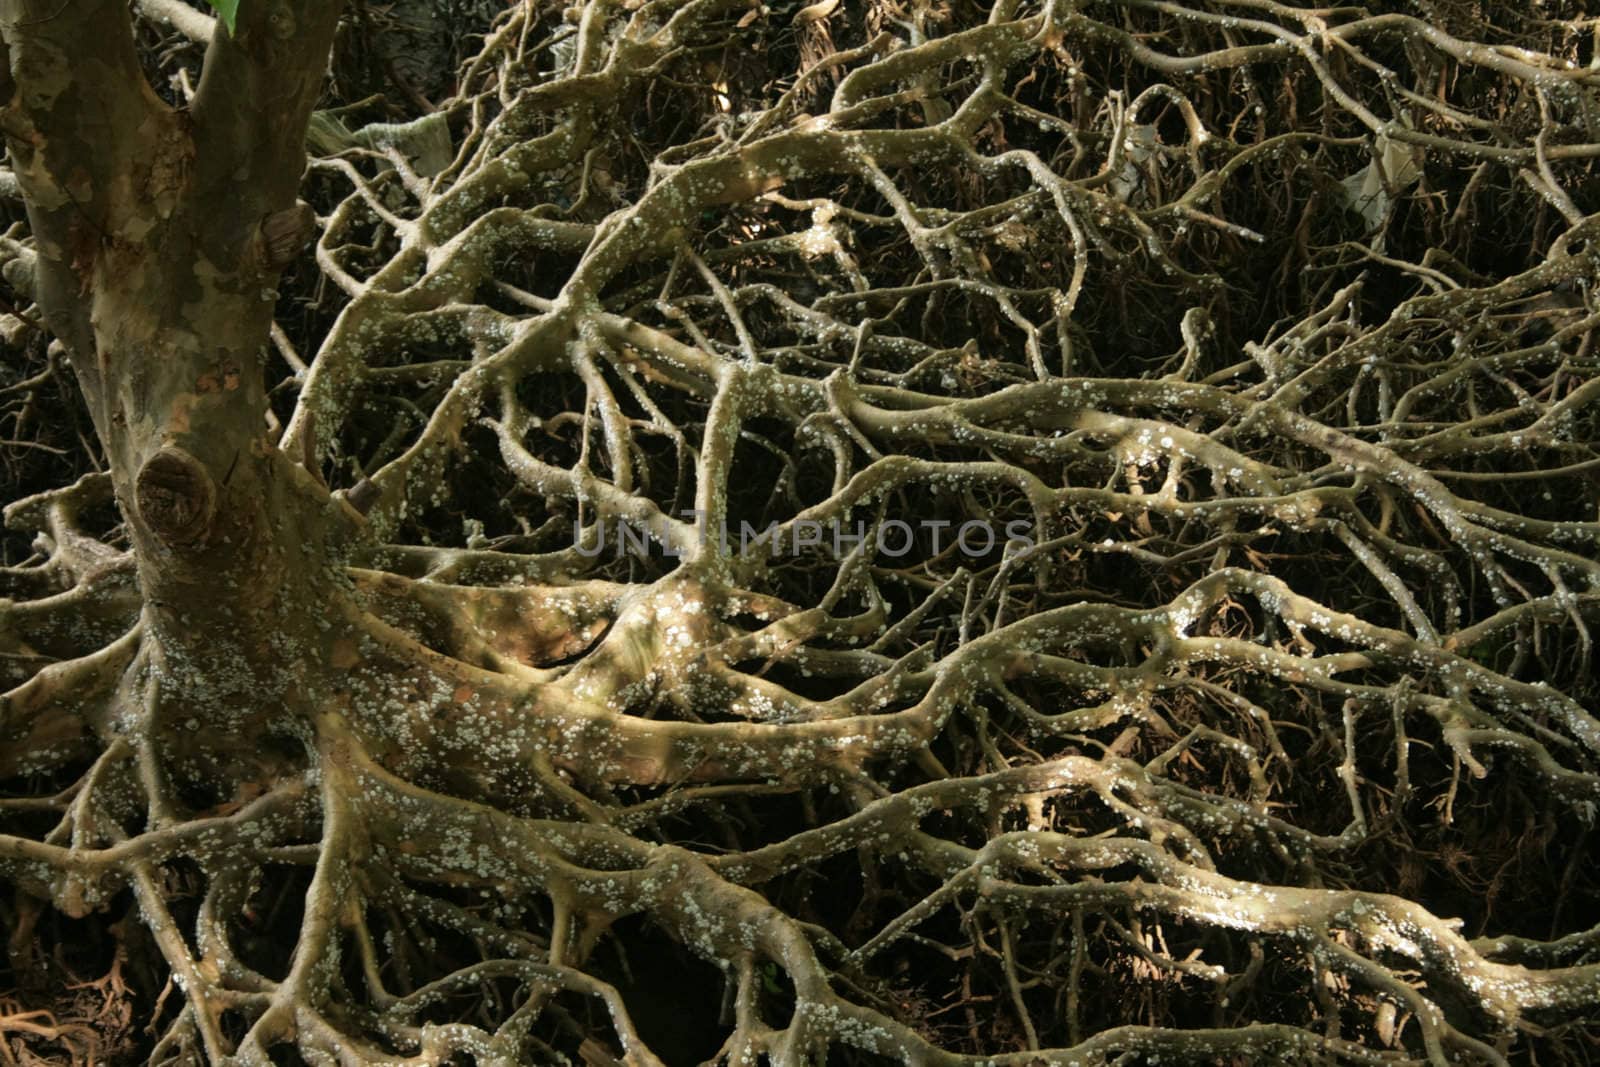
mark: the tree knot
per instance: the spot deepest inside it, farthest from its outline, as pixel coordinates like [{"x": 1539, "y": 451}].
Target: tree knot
[
  {"x": 176, "y": 497},
  {"x": 285, "y": 233}
]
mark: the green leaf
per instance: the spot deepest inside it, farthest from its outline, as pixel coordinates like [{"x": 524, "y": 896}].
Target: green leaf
[{"x": 227, "y": 11}]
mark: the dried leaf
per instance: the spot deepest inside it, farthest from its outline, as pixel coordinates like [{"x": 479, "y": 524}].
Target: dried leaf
[{"x": 815, "y": 12}]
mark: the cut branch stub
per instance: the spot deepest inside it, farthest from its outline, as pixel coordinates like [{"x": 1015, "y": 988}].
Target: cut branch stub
[
  {"x": 363, "y": 495},
  {"x": 176, "y": 497},
  {"x": 284, "y": 234}
]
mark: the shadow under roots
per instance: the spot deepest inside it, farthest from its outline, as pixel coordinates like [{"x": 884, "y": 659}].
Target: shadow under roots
[
  {"x": 98, "y": 978},
  {"x": 673, "y": 997}
]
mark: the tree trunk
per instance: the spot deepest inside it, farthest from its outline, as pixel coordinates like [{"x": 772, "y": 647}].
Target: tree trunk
[{"x": 160, "y": 234}]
